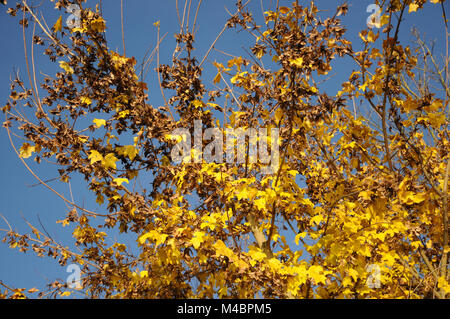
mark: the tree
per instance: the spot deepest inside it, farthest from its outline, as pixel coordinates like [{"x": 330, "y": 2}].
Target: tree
[{"x": 343, "y": 206}]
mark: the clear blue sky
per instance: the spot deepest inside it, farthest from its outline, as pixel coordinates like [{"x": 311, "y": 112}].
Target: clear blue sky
[{"x": 18, "y": 199}]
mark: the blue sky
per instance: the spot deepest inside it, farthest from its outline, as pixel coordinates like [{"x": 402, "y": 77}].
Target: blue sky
[{"x": 20, "y": 199}]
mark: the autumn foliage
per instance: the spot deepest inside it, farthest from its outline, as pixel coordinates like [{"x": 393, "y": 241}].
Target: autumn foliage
[{"x": 357, "y": 206}]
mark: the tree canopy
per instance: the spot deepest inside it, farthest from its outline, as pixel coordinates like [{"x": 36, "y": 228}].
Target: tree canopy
[{"x": 279, "y": 190}]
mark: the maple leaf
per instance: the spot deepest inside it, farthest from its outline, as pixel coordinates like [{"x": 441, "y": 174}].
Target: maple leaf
[
  {"x": 128, "y": 150},
  {"x": 26, "y": 150},
  {"x": 437, "y": 120},
  {"x": 198, "y": 239},
  {"x": 95, "y": 156},
  {"x": 371, "y": 36},
  {"x": 217, "y": 78},
  {"x": 365, "y": 195},
  {"x": 222, "y": 249},
  {"x": 317, "y": 273},
  {"x": 153, "y": 235},
  {"x": 413, "y": 7},
  {"x": 120, "y": 181},
  {"x": 110, "y": 161},
  {"x": 99, "y": 122},
  {"x": 409, "y": 197}
]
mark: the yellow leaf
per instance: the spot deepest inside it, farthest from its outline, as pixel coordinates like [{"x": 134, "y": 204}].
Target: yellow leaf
[
  {"x": 418, "y": 198},
  {"x": 362, "y": 36},
  {"x": 365, "y": 195},
  {"x": 119, "y": 181},
  {"x": 363, "y": 87},
  {"x": 409, "y": 105},
  {"x": 436, "y": 120},
  {"x": 236, "y": 78},
  {"x": 350, "y": 205},
  {"x": 64, "y": 222},
  {"x": 95, "y": 157},
  {"x": 353, "y": 273},
  {"x": 389, "y": 258},
  {"x": 297, "y": 62},
  {"x": 317, "y": 274},
  {"x": 110, "y": 161},
  {"x": 409, "y": 197},
  {"x": 83, "y": 139},
  {"x": 86, "y": 100},
  {"x": 156, "y": 24},
  {"x": 347, "y": 281},
  {"x": 26, "y": 150},
  {"x": 98, "y": 25},
  {"x": 413, "y": 7},
  {"x": 142, "y": 239},
  {"x": 371, "y": 36},
  {"x": 123, "y": 114},
  {"x": 128, "y": 150},
  {"x": 222, "y": 249},
  {"x": 436, "y": 105},
  {"x": 198, "y": 239},
  {"x": 65, "y": 294},
  {"x": 35, "y": 231},
  {"x": 99, "y": 122},
  {"x": 66, "y": 67},
  {"x": 58, "y": 25},
  {"x": 443, "y": 284},
  {"x": 81, "y": 30},
  {"x": 316, "y": 219},
  {"x": 278, "y": 115},
  {"x": 197, "y": 103},
  {"x": 217, "y": 78},
  {"x": 153, "y": 235},
  {"x": 260, "y": 203},
  {"x": 384, "y": 20},
  {"x": 256, "y": 253}
]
